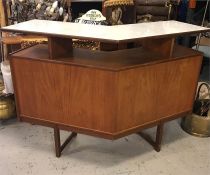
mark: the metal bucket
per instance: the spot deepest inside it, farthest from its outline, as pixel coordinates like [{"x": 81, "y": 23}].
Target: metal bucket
[
  {"x": 196, "y": 125},
  {"x": 7, "y": 106}
]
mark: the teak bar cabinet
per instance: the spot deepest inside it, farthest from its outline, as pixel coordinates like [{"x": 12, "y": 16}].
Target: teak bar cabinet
[{"x": 108, "y": 94}]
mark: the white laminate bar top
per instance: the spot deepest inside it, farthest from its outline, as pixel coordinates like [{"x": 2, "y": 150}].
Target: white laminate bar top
[{"x": 117, "y": 33}]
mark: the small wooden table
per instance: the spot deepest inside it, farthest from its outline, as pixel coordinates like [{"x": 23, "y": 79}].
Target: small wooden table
[{"x": 101, "y": 93}]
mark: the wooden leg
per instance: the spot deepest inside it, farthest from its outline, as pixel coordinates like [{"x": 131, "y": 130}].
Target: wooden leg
[
  {"x": 58, "y": 147},
  {"x": 159, "y": 134},
  {"x": 57, "y": 142}
]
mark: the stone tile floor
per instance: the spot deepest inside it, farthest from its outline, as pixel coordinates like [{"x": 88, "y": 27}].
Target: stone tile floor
[{"x": 29, "y": 149}]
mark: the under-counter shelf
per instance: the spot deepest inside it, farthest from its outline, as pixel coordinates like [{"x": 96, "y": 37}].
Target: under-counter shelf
[{"x": 115, "y": 60}]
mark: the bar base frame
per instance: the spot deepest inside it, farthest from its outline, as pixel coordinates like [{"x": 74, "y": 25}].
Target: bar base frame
[
  {"x": 158, "y": 140},
  {"x": 58, "y": 147}
]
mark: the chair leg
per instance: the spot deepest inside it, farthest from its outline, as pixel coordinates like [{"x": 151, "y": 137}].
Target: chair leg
[
  {"x": 159, "y": 135},
  {"x": 58, "y": 147}
]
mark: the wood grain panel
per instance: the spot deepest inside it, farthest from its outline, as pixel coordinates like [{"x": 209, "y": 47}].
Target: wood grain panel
[
  {"x": 75, "y": 96},
  {"x": 106, "y": 103},
  {"x": 94, "y": 98},
  {"x": 177, "y": 83},
  {"x": 164, "y": 46},
  {"x": 59, "y": 47},
  {"x": 137, "y": 97},
  {"x": 155, "y": 92},
  {"x": 112, "y": 46},
  {"x": 43, "y": 89}
]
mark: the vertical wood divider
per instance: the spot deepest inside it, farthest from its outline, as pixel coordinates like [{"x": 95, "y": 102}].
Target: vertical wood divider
[
  {"x": 112, "y": 46},
  {"x": 162, "y": 45},
  {"x": 59, "y": 47}
]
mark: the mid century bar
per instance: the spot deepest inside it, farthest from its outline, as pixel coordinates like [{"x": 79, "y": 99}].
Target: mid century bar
[{"x": 108, "y": 94}]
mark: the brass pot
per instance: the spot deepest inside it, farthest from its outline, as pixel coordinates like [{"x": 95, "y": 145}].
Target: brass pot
[
  {"x": 7, "y": 106},
  {"x": 1, "y": 87},
  {"x": 196, "y": 125}
]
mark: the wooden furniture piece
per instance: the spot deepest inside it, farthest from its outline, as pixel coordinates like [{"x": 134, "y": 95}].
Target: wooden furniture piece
[
  {"x": 101, "y": 93},
  {"x": 155, "y": 10}
]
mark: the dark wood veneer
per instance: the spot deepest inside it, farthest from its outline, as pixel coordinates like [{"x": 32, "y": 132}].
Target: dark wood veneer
[
  {"x": 59, "y": 47},
  {"x": 111, "y": 98},
  {"x": 101, "y": 134}
]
